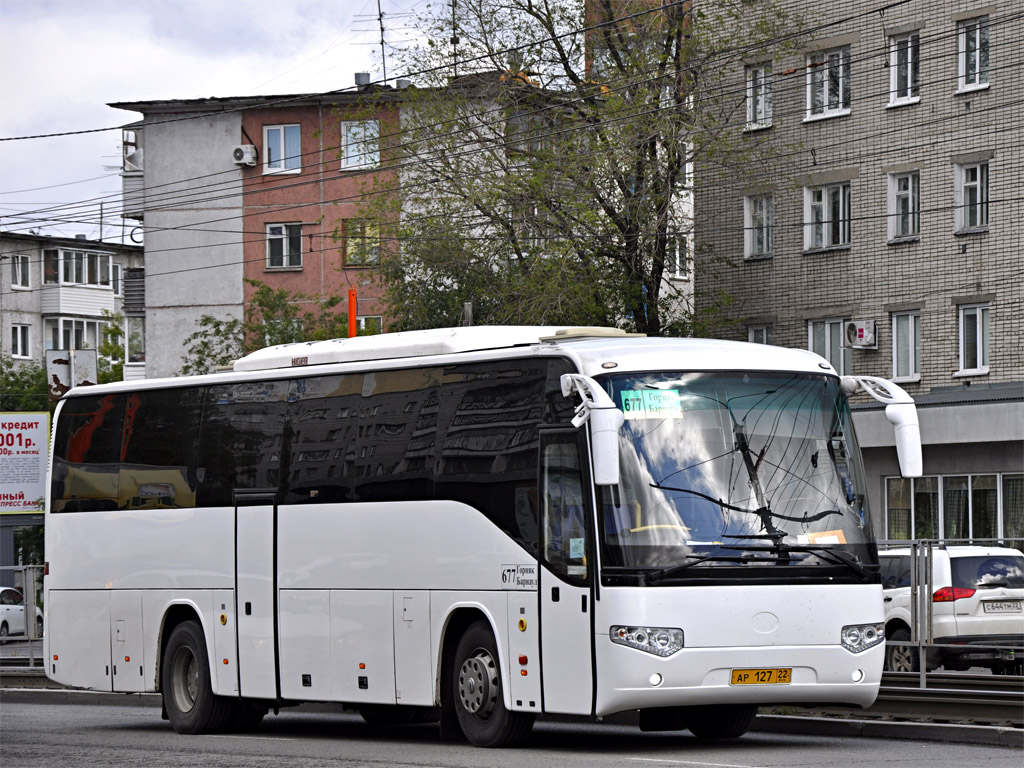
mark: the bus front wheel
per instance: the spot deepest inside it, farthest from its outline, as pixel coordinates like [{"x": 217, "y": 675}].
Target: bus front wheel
[
  {"x": 188, "y": 694},
  {"x": 477, "y": 694},
  {"x": 725, "y": 721}
]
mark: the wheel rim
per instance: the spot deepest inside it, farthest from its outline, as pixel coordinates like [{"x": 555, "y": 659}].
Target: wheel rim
[
  {"x": 478, "y": 684},
  {"x": 184, "y": 679},
  {"x": 902, "y": 659}
]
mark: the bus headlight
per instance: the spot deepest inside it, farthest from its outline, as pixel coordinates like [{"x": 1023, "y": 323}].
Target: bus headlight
[
  {"x": 661, "y": 641},
  {"x": 859, "y": 637}
]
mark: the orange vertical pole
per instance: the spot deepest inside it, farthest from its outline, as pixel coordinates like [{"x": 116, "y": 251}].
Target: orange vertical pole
[{"x": 352, "y": 312}]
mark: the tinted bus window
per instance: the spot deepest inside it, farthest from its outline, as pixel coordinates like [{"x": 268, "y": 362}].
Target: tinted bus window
[
  {"x": 160, "y": 450},
  {"x": 243, "y": 445},
  {"x": 86, "y": 453}
]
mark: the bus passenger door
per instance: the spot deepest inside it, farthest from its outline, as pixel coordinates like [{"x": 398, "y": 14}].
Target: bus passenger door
[
  {"x": 566, "y": 624},
  {"x": 256, "y": 595}
]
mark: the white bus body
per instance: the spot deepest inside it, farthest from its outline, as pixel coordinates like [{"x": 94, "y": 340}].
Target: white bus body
[{"x": 407, "y": 524}]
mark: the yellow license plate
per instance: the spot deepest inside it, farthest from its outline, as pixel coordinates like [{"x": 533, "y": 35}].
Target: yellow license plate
[{"x": 777, "y": 676}]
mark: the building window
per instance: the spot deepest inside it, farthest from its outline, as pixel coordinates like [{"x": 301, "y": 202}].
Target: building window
[
  {"x": 51, "y": 266},
  {"x": 676, "y": 264},
  {"x": 759, "y": 334},
  {"x": 282, "y": 149},
  {"x": 759, "y": 96},
  {"x": 906, "y": 346},
  {"x": 71, "y": 333},
  {"x": 135, "y": 339},
  {"x": 20, "y": 271},
  {"x": 758, "y": 223},
  {"x": 369, "y": 325},
  {"x": 828, "y": 82},
  {"x": 20, "y": 341},
  {"x": 362, "y": 243},
  {"x": 827, "y": 214},
  {"x": 972, "y": 59},
  {"x": 974, "y": 320},
  {"x": 360, "y": 145},
  {"x": 955, "y": 507},
  {"x": 825, "y": 338},
  {"x": 117, "y": 278},
  {"x": 284, "y": 246},
  {"x": 904, "y": 68},
  {"x": 971, "y": 196},
  {"x": 904, "y": 205},
  {"x": 74, "y": 268},
  {"x": 97, "y": 268}
]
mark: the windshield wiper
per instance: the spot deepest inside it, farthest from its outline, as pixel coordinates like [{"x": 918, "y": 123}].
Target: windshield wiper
[
  {"x": 834, "y": 556},
  {"x": 660, "y": 574},
  {"x": 760, "y": 512}
]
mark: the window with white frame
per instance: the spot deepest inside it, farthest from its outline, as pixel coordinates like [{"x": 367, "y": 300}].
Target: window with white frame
[
  {"x": 906, "y": 346},
  {"x": 758, "y": 225},
  {"x": 284, "y": 246},
  {"x": 972, "y": 59},
  {"x": 955, "y": 507},
  {"x": 282, "y": 149},
  {"x": 360, "y": 144},
  {"x": 676, "y": 265},
  {"x": 368, "y": 325},
  {"x": 20, "y": 271},
  {"x": 51, "y": 266},
  {"x": 362, "y": 243},
  {"x": 20, "y": 341},
  {"x": 72, "y": 333},
  {"x": 904, "y": 68},
  {"x": 117, "y": 278},
  {"x": 904, "y": 205},
  {"x": 971, "y": 196},
  {"x": 759, "y": 334},
  {"x": 76, "y": 268},
  {"x": 827, "y": 213},
  {"x": 759, "y": 95},
  {"x": 828, "y": 82},
  {"x": 974, "y": 320},
  {"x": 825, "y": 338}
]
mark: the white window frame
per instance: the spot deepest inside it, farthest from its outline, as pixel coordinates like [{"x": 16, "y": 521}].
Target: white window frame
[
  {"x": 359, "y": 235},
  {"x": 759, "y": 96},
  {"x": 759, "y": 334},
  {"x": 941, "y": 490},
  {"x": 904, "y": 206},
  {"x": 832, "y": 348},
  {"x": 21, "y": 273},
  {"x": 758, "y": 226},
  {"x": 904, "y": 69},
  {"x": 906, "y": 362},
  {"x": 117, "y": 279},
  {"x": 275, "y": 147},
  {"x": 360, "y": 144},
  {"x": 821, "y": 230},
  {"x": 982, "y": 333},
  {"x": 828, "y": 83},
  {"x": 377, "y": 321},
  {"x": 973, "y": 43},
  {"x": 67, "y": 330},
  {"x": 21, "y": 341},
  {"x": 677, "y": 265},
  {"x": 284, "y": 233},
  {"x": 971, "y": 196}
]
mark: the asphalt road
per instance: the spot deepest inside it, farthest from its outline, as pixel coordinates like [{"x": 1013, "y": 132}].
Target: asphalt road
[{"x": 39, "y": 734}]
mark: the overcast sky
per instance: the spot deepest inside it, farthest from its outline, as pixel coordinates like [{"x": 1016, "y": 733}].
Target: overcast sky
[{"x": 63, "y": 61}]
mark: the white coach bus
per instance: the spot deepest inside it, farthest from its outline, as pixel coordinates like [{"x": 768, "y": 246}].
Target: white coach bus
[{"x": 474, "y": 526}]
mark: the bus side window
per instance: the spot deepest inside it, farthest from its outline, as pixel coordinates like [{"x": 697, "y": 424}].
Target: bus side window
[
  {"x": 564, "y": 514},
  {"x": 86, "y": 452}
]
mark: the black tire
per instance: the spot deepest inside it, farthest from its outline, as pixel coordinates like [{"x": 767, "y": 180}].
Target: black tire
[
  {"x": 4, "y": 631},
  {"x": 721, "y": 721},
  {"x": 186, "y": 684},
  {"x": 39, "y": 626},
  {"x": 246, "y": 716},
  {"x": 901, "y": 658},
  {"x": 476, "y": 692}
]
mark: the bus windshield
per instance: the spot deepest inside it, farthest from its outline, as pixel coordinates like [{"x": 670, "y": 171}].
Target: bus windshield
[{"x": 734, "y": 471}]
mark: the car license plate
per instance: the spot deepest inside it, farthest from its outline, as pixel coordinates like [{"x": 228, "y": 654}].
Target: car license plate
[
  {"x": 777, "y": 676},
  {"x": 1001, "y": 606}
]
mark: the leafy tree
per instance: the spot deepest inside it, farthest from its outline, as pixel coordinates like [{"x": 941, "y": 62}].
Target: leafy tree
[
  {"x": 271, "y": 317},
  {"x": 23, "y": 386},
  {"x": 545, "y": 159}
]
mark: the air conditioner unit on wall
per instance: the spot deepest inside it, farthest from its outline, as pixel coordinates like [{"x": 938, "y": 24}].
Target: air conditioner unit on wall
[
  {"x": 860, "y": 334},
  {"x": 244, "y": 154}
]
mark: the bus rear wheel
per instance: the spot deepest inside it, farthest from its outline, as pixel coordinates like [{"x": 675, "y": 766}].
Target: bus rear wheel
[
  {"x": 188, "y": 694},
  {"x": 477, "y": 693},
  {"x": 726, "y": 721}
]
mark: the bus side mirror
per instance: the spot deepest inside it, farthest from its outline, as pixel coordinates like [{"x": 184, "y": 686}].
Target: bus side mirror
[
  {"x": 901, "y": 413},
  {"x": 605, "y": 420}
]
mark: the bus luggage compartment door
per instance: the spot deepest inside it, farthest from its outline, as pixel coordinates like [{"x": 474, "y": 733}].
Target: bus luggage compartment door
[{"x": 255, "y": 598}]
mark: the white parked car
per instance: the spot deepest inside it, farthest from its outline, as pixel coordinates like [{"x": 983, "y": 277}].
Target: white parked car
[
  {"x": 12, "y": 614},
  {"x": 976, "y": 600}
]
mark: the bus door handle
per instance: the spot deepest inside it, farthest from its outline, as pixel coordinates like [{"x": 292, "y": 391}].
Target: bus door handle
[
  {"x": 887, "y": 600},
  {"x": 583, "y": 603},
  {"x": 554, "y": 594}
]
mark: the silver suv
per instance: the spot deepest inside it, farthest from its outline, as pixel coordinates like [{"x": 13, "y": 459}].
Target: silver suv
[{"x": 976, "y": 596}]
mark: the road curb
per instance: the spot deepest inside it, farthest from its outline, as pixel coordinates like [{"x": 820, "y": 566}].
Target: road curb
[{"x": 810, "y": 726}]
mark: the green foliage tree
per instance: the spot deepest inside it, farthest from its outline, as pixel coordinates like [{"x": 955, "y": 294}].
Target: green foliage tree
[
  {"x": 545, "y": 158},
  {"x": 272, "y": 316},
  {"x": 23, "y": 386}
]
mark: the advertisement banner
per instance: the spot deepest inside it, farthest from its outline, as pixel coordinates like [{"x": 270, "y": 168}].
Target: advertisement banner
[{"x": 24, "y": 450}]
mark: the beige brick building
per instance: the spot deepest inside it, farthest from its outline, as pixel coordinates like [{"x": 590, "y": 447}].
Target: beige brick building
[{"x": 884, "y": 232}]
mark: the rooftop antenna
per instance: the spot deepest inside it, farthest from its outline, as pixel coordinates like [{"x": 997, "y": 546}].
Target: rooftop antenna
[{"x": 383, "y": 58}]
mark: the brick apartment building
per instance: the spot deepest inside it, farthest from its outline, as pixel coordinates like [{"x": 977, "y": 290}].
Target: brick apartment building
[
  {"x": 885, "y": 235},
  {"x": 267, "y": 189}
]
